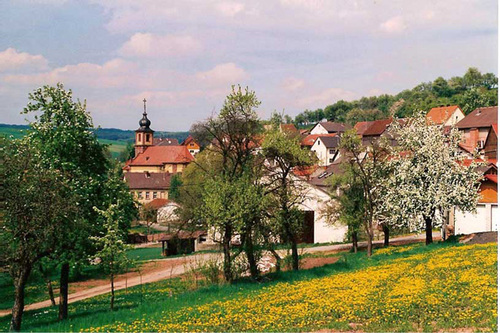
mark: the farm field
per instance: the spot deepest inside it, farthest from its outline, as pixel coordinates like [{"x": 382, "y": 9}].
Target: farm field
[{"x": 409, "y": 288}]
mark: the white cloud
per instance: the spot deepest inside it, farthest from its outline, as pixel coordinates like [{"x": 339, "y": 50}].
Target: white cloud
[
  {"x": 292, "y": 84},
  {"x": 325, "y": 97},
  {"x": 230, "y": 9},
  {"x": 395, "y": 25},
  {"x": 114, "y": 73},
  {"x": 12, "y": 60},
  {"x": 155, "y": 46},
  {"x": 223, "y": 74}
]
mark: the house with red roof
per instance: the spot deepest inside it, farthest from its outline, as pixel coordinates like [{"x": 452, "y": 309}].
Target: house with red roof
[
  {"x": 445, "y": 115},
  {"x": 192, "y": 145}
]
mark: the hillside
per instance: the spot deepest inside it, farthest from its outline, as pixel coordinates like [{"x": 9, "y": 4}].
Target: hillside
[
  {"x": 470, "y": 91},
  {"x": 409, "y": 288}
]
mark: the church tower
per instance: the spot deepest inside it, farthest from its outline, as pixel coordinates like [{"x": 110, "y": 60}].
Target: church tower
[{"x": 144, "y": 134}]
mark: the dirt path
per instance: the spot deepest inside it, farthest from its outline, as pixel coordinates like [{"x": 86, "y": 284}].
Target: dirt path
[{"x": 172, "y": 267}]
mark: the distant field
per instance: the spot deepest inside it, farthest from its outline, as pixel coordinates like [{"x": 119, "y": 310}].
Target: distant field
[{"x": 116, "y": 139}]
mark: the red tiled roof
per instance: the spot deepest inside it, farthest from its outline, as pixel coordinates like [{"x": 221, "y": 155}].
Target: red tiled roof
[
  {"x": 160, "y": 155},
  {"x": 188, "y": 140},
  {"x": 305, "y": 171},
  {"x": 377, "y": 127},
  {"x": 147, "y": 181},
  {"x": 157, "y": 203},
  {"x": 288, "y": 128},
  {"x": 440, "y": 115},
  {"x": 480, "y": 117},
  {"x": 361, "y": 126},
  {"x": 183, "y": 235},
  {"x": 495, "y": 128},
  {"x": 311, "y": 138}
]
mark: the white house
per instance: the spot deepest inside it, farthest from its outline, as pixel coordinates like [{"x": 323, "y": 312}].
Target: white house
[{"x": 326, "y": 149}]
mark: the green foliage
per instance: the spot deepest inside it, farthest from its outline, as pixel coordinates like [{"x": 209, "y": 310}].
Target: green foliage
[
  {"x": 112, "y": 250},
  {"x": 174, "y": 192}
]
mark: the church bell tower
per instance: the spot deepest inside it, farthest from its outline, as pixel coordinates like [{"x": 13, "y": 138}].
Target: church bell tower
[{"x": 144, "y": 134}]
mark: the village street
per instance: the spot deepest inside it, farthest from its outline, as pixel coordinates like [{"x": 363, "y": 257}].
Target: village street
[{"x": 173, "y": 267}]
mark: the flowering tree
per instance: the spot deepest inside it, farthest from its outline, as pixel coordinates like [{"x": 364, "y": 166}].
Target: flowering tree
[{"x": 429, "y": 176}]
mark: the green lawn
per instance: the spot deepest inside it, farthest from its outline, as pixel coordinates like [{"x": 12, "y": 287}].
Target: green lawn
[{"x": 413, "y": 288}]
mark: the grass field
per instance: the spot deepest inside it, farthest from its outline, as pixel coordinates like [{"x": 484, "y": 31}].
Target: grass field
[{"x": 412, "y": 288}]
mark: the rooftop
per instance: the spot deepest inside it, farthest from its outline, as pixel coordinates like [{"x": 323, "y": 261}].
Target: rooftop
[{"x": 480, "y": 117}]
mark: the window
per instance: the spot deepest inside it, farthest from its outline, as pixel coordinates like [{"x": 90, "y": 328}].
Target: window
[
  {"x": 318, "y": 143},
  {"x": 332, "y": 151},
  {"x": 202, "y": 239},
  {"x": 330, "y": 160},
  {"x": 139, "y": 137},
  {"x": 155, "y": 195},
  {"x": 147, "y": 137},
  {"x": 139, "y": 195},
  {"x": 147, "y": 195},
  {"x": 480, "y": 144}
]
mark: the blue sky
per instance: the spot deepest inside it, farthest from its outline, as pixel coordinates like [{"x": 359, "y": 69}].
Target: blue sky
[{"x": 183, "y": 56}]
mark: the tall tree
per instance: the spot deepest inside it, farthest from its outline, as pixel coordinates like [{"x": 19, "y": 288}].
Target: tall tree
[
  {"x": 284, "y": 153},
  {"x": 234, "y": 134},
  {"x": 62, "y": 128},
  {"x": 37, "y": 204},
  {"x": 367, "y": 164},
  {"x": 429, "y": 176}
]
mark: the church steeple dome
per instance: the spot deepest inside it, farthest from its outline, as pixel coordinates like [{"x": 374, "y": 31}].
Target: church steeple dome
[
  {"x": 144, "y": 123},
  {"x": 144, "y": 134}
]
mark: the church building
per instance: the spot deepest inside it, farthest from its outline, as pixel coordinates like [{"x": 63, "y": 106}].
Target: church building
[{"x": 148, "y": 174}]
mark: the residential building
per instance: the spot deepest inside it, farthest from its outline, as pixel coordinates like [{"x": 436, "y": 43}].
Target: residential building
[
  {"x": 445, "y": 115},
  {"x": 192, "y": 145},
  {"x": 476, "y": 126},
  {"x": 326, "y": 149}
]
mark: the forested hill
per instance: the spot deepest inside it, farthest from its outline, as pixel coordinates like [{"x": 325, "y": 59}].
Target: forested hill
[
  {"x": 112, "y": 134},
  {"x": 470, "y": 91}
]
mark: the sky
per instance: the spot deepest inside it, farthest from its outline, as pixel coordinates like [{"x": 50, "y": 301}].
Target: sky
[{"x": 183, "y": 56}]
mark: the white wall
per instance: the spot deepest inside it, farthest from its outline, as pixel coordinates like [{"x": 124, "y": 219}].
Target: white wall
[
  {"x": 323, "y": 232},
  {"x": 455, "y": 118},
  {"x": 482, "y": 220}
]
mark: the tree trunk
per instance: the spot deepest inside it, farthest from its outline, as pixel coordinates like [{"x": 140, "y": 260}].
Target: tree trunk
[
  {"x": 112, "y": 291},
  {"x": 295, "y": 256},
  {"x": 354, "y": 237},
  {"x": 51, "y": 292},
  {"x": 63, "y": 292},
  {"x": 278, "y": 259},
  {"x": 249, "y": 250},
  {"x": 226, "y": 240},
  {"x": 18, "y": 308},
  {"x": 385, "y": 228},
  {"x": 428, "y": 230}
]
